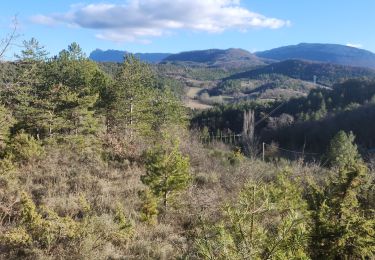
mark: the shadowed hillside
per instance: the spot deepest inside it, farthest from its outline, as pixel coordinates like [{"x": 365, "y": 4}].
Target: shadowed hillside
[
  {"x": 326, "y": 74},
  {"x": 331, "y": 53}
]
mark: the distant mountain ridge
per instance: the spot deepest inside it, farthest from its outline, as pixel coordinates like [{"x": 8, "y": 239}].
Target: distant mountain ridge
[
  {"x": 239, "y": 58},
  {"x": 329, "y": 53},
  {"x": 326, "y": 73},
  {"x": 217, "y": 58},
  {"x": 118, "y": 56}
]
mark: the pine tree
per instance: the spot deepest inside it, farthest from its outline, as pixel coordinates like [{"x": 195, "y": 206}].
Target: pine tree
[
  {"x": 342, "y": 150},
  {"x": 133, "y": 97},
  {"x": 23, "y": 96},
  {"x": 168, "y": 111},
  {"x": 167, "y": 172},
  {"x": 72, "y": 69},
  {"x": 75, "y": 114},
  {"x": 32, "y": 52},
  {"x": 321, "y": 112},
  {"x": 134, "y": 105},
  {"x": 267, "y": 221},
  {"x": 73, "y": 84},
  {"x": 342, "y": 228}
]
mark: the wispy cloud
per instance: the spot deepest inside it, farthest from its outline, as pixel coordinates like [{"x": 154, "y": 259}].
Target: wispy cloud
[
  {"x": 43, "y": 19},
  {"x": 138, "y": 20},
  {"x": 354, "y": 45}
]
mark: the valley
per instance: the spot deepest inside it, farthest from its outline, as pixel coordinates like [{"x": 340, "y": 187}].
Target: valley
[{"x": 214, "y": 76}]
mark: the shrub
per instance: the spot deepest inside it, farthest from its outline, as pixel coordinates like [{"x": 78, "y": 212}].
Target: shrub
[
  {"x": 24, "y": 148},
  {"x": 149, "y": 207},
  {"x": 16, "y": 238}
]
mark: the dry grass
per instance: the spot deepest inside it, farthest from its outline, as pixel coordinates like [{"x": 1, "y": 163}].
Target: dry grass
[
  {"x": 192, "y": 101},
  {"x": 64, "y": 176}
]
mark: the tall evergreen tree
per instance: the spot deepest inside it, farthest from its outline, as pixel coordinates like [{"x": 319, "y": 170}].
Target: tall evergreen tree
[
  {"x": 136, "y": 106},
  {"x": 133, "y": 96},
  {"x": 25, "y": 96},
  {"x": 168, "y": 110},
  {"x": 342, "y": 151}
]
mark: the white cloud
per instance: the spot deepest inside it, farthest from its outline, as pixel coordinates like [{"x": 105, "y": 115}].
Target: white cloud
[
  {"x": 45, "y": 20},
  {"x": 140, "y": 19},
  {"x": 354, "y": 45}
]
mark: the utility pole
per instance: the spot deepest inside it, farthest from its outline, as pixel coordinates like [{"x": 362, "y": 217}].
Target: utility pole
[{"x": 263, "y": 146}]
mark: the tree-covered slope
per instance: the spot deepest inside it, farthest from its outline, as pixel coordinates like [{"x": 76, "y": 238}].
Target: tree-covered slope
[
  {"x": 218, "y": 58},
  {"x": 326, "y": 73},
  {"x": 330, "y": 53},
  {"x": 309, "y": 121}
]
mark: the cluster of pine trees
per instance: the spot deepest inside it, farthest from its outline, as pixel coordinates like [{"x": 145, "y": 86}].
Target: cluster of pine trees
[{"x": 67, "y": 103}]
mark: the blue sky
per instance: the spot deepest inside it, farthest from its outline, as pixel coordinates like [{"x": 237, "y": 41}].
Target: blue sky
[{"x": 180, "y": 25}]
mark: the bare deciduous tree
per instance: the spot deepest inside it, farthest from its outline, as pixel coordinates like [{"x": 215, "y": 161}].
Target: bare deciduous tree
[
  {"x": 8, "y": 40},
  {"x": 248, "y": 124}
]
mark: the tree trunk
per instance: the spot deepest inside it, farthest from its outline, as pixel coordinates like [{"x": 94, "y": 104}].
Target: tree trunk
[{"x": 165, "y": 202}]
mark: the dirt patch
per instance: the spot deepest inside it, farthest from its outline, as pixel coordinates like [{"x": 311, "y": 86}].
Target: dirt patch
[{"x": 191, "y": 100}]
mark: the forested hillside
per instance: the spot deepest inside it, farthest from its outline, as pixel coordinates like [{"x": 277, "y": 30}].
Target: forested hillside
[
  {"x": 231, "y": 83},
  {"x": 321, "y": 52},
  {"x": 325, "y": 73},
  {"x": 304, "y": 122},
  {"x": 103, "y": 161},
  {"x": 230, "y": 58}
]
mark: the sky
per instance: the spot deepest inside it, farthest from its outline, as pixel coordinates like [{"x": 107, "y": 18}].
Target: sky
[{"x": 180, "y": 25}]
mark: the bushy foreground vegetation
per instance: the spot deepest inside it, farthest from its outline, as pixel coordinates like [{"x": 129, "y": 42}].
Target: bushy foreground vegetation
[{"x": 99, "y": 167}]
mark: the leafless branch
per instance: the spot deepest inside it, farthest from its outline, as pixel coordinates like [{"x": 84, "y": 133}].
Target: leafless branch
[{"x": 6, "y": 42}]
